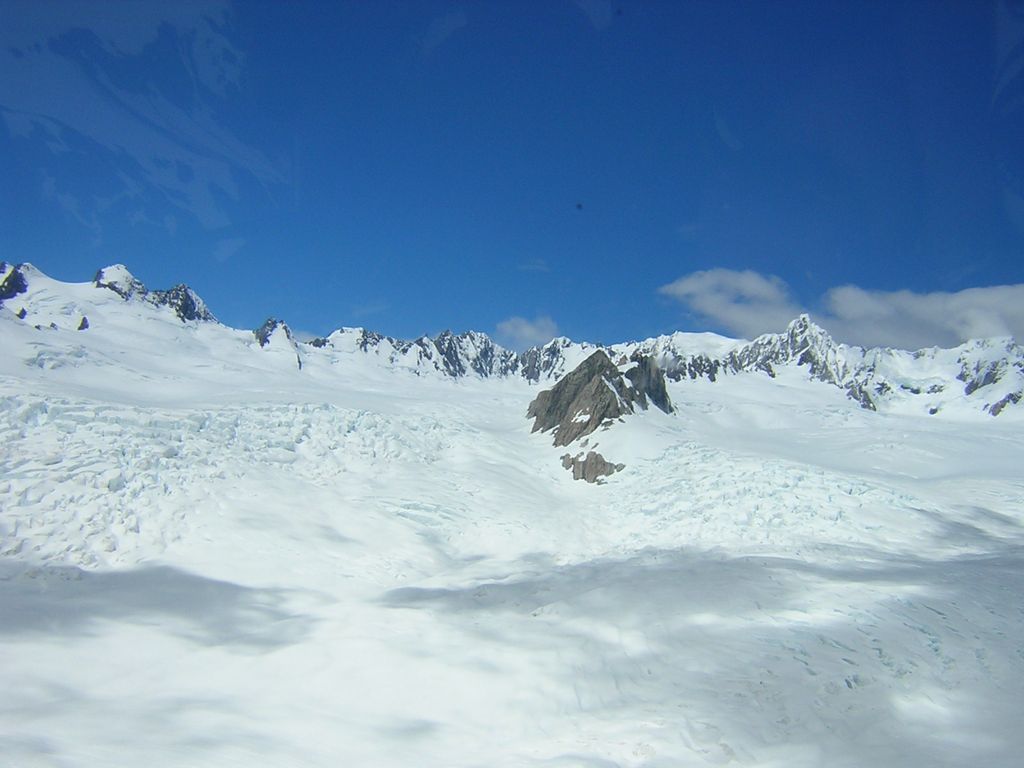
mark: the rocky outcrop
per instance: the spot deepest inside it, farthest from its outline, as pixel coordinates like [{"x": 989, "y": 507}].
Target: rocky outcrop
[
  {"x": 591, "y": 468},
  {"x": 1011, "y": 399},
  {"x": 185, "y": 302},
  {"x": 595, "y": 394},
  {"x": 275, "y": 336},
  {"x": 271, "y": 324},
  {"x": 12, "y": 281},
  {"x": 582, "y": 401}
]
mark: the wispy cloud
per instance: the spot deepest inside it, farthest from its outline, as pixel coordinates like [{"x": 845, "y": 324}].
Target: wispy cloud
[
  {"x": 65, "y": 88},
  {"x": 303, "y": 336},
  {"x": 749, "y": 303},
  {"x": 359, "y": 311},
  {"x": 72, "y": 206},
  {"x": 442, "y": 28},
  {"x": 228, "y": 247},
  {"x": 534, "y": 265},
  {"x": 598, "y": 12},
  {"x": 520, "y": 333}
]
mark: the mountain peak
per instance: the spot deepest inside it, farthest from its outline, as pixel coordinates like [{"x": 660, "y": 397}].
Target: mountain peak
[
  {"x": 183, "y": 300},
  {"x": 118, "y": 279},
  {"x": 802, "y": 326},
  {"x": 264, "y": 333}
]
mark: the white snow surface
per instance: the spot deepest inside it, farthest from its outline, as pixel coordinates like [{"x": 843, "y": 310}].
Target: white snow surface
[{"x": 211, "y": 557}]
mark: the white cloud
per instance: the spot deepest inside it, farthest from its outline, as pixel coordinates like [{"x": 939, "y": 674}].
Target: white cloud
[
  {"x": 744, "y": 302},
  {"x": 913, "y": 320},
  {"x": 748, "y": 303},
  {"x": 520, "y": 333}
]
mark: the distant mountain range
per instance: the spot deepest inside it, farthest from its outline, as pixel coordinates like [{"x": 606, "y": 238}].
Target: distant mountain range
[{"x": 982, "y": 376}]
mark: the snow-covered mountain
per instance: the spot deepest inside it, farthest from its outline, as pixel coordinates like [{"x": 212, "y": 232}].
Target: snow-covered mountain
[
  {"x": 985, "y": 375},
  {"x": 232, "y": 547}
]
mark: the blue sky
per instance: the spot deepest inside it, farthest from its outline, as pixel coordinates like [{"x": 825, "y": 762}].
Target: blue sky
[{"x": 603, "y": 170}]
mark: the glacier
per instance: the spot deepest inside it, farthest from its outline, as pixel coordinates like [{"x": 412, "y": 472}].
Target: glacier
[{"x": 221, "y": 547}]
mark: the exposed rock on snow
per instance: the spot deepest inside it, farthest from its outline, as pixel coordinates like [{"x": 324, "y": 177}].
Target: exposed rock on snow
[
  {"x": 455, "y": 355},
  {"x": 264, "y": 333},
  {"x": 275, "y": 334},
  {"x": 872, "y": 378},
  {"x": 183, "y": 300},
  {"x": 12, "y": 281},
  {"x": 595, "y": 394},
  {"x": 592, "y": 468},
  {"x": 118, "y": 279}
]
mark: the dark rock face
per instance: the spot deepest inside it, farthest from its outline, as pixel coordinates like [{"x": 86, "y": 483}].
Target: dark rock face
[
  {"x": 981, "y": 377},
  {"x": 695, "y": 367},
  {"x": 448, "y": 348},
  {"x": 648, "y": 379},
  {"x": 1012, "y": 398},
  {"x": 591, "y": 395},
  {"x": 22, "y": 313},
  {"x": 368, "y": 339},
  {"x": 13, "y": 284},
  {"x": 540, "y": 361},
  {"x": 596, "y": 393},
  {"x": 84, "y": 325},
  {"x": 592, "y": 468},
  {"x": 184, "y": 301},
  {"x": 265, "y": 331}
]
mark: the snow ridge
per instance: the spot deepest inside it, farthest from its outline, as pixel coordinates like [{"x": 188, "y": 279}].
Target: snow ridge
[
  {"x": 985, "y": 376},
  {"x": 183, "y": 300}
]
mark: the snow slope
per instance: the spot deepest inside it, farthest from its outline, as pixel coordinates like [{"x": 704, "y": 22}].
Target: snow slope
[{"x": 210, "y": 556}]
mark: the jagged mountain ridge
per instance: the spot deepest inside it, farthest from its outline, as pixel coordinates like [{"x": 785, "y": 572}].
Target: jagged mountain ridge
[
  {"x": 988, "y": 373},
  {"x": 185, "y": 302}
]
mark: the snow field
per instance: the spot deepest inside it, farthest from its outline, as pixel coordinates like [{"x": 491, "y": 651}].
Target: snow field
[{"x": 202, "y": 568}]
